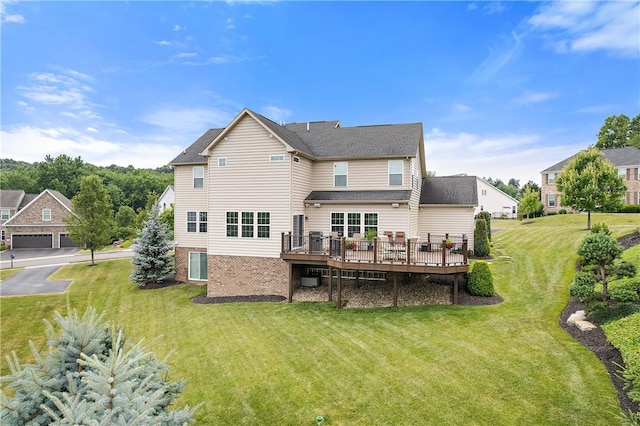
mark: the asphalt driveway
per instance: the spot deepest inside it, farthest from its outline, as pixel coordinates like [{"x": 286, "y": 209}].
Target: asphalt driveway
[{"x": 33, "y": 281}]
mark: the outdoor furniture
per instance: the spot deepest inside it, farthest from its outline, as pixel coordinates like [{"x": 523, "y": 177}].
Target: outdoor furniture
[{"x": 399, "y": 237}]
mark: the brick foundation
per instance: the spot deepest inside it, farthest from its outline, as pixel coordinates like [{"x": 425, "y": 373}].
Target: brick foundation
[
  {"x": 182, "y": 263},
  {"x": 244, "y": 276}
]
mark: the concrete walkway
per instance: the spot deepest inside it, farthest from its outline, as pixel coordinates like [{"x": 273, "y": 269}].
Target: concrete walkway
[{"x": 33, "y": 281}]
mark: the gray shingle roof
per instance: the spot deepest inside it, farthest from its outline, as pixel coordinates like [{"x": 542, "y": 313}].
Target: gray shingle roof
[
  {"x": 11, "y": 198},
  {"x": 326, "y": 140},
  {"x": 627, "y": 156},
  {"x": 360, "y": 196},
  {"x": 191, "y": 155},
  {"x": 450, "y": 190},
  {"x": 61, "y": 198}
]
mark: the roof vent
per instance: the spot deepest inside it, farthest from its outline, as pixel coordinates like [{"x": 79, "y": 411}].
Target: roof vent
[{"x": 307, "y": 126}]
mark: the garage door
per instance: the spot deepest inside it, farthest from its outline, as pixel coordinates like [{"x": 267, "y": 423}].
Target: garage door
[
  {"x": 65, "y": 241},
  {"x": 32, "y": 241}
]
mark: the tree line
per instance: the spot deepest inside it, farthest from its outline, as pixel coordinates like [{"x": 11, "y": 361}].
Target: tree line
[{"x": 126, "y": 186}]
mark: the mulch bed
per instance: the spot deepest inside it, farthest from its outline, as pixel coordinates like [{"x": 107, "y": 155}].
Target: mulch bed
[{"x": 203, "y": 299}]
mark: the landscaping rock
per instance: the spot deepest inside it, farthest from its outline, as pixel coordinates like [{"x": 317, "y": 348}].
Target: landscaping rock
[
  {"x": 585, "y": 325},
  {"x": 577, "y": 316}
]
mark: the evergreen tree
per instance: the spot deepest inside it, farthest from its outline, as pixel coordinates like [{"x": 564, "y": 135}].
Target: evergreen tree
[
  {"x": 90, "y": 375},
  {"x": 151, "y": 262},
  {"x": 91, "y": 224},
  {"x": 481, "y": 246}
]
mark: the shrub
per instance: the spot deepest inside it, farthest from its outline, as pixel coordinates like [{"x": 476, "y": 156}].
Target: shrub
[
  {"x": 601, "y": 312},
  {"x": 582, "y": 286},
  {"x": 480, "y": 281},
  {"x": 630, "y": 208},
  {"x": 600, "y": 227},
  {"x": 552, "y": 213},
  {"x": 562, "y": 211},
  {"x": 487, "y": 219},
  {"x": 624, "y": 294},
  {"x": 624, "y": 269},
  {"x": 480, "y": 240},
  {"x": 584, "y": 278}
]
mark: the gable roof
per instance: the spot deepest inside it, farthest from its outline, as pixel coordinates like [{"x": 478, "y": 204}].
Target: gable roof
[
  {"x": 325, "y": 140},
  {"x": 499, "y": 191},
  {"x": 450, "y": 190},
  {"x": 191, "y": 155},
  {"x": 11, "y": 198},
  {"x": 58, "y": 196},
  {"x": 398, "y": 196},
  {"x": 620, "y": 157}
]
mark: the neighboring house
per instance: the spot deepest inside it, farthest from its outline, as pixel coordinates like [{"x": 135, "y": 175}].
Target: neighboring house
[
  {"x": 258, "y": 205},
  {"x": 167, "y": 198},
  {"x": 626, "y": 159},
  {"x": 37, "y": 222},
  {"x": 495, "y": 201},
  {"x": 11, "y": 200}
]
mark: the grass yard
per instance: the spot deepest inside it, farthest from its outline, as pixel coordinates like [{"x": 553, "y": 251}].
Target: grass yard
[{"x": 285, "y": 364}]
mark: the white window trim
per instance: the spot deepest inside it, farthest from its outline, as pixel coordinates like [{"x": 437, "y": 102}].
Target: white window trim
[
  {"x": 192, "y": 221},
  {"x": 8, "y": 214},
  {"x": 346, "y": 174},
  {"x": 259, "y": 225},
  {"x": 389, "y": 172},
  {"x": 197, "y": 177},
  {"x": 345, "y": 225},
  {"x": 296, "y": 159},
  {"x": 45, "y": 219},
  {"x": 555, "y": 201},
  {"x": 237, "y": 224},
  {"x": 551, "y": 178},
  {"x": 255, "y": 225},
  {"x": 189, "y": 266},
  {"x": 277, "y": 158},
  {"x": 222, "y": 162}
]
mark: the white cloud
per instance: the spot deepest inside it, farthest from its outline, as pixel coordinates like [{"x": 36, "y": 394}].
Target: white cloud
[
  {"x": 171, "y": 120},
  {"x": 92, "y": 129},
  {"x": 460, "y": 108},
  {"x": 178, "y": 27},
  {"x": 534, "y": 98},
  {"x": 275, "y": 113},
  {"x": 162, "y": 43},
  {"x": 505, "y": 156},
  {"x": 13, "y": 19},
  {"x": 472, "y": 6},
  {"x": 493, "y": 8},
  {"x": 27, "y": 143},
  {"x": 588, "y": 26},
  {"x": 230, "y": 24},
  {"x": 186, "y": 55},
  {"x": 497, "y": 59}
]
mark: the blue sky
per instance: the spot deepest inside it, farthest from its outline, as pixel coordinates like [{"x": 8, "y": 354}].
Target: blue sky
[{"x": 503, "y": 89}]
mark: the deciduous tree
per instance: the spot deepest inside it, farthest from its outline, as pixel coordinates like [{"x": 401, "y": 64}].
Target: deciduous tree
[
  {"x": 590, "y": 183},
  {"x": 530, "y": 203},
  {"x": 619, "y": 131},
  {"x": 91, "y": 224}
]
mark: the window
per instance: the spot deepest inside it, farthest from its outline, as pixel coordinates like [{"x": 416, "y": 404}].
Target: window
[
  {"x": 395, "y": 172},
  {"x": 638, "y": 200},
  {"x": 5, "y": 214},
  {"x": 353, "y": 224},
  {"x": 484, "y": 192},
  {"x": 340, "y": 173},
  {"x": 203, "y": 222},
  {"x": 247, "y": 224},
  {"x": 276, "y": 158},
  {"x": 551, "y": 200},
  {"x": 2, "y": 235},
  {"x": 337, "y": 223},
  {"x": 222, "y": 161},
  {"x": 622, "y": 172},
  {"x": 296, "y": 159},
  {"x": 551, "y": 178},
  {"x": 196, "y": 221},
  {"x": 370, "y": 222},
  {"x": 197, "y": 265},
  {"x": 191, "y": 222},
  {"x": 264, "y": 224},
  {"x": 232, "y": 224},
  {"x": 198, "y": 177},
  {"x": 46, "y": 215}
]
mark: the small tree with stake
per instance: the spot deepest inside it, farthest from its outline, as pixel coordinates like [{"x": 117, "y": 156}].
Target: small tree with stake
[{"x": 151, "y": 261}]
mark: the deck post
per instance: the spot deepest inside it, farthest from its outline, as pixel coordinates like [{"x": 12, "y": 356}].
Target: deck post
[
  {"x": 290, "y": 282},
  {"x": 456, "y": 277},
  {"x": 395, "y": 289},
  {"x": 443, "y": 248},
  {"x": 339, "y": 300},
  {"x": 330, "y": 283}
]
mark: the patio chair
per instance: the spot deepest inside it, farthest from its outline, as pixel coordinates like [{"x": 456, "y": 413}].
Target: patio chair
[{"x": 399, "y": 237}]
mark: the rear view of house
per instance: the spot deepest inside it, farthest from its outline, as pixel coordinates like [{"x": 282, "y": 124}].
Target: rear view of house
[{"x": 254, "y": 199}]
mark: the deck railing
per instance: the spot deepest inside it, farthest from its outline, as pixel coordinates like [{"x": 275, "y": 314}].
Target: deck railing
[{"x": 437, "y": 250}]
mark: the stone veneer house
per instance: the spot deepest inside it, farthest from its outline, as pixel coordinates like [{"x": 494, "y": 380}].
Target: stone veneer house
[
  {"x": 258, "y": 205},
  {"x": 626, "y": 159},
  {"x": 34, "y": 220}
]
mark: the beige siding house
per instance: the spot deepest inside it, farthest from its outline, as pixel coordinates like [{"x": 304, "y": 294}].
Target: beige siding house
[
  {"x": 258, "y": 204},
  {"x": 626, "y": 159}
]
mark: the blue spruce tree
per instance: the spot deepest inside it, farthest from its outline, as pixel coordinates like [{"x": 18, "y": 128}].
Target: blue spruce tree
[
  {"x": 90, "y": 375},
  {"x": 151, "y": 262}
]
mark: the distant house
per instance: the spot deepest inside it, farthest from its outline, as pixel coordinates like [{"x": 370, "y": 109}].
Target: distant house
[
  {"x": 34, "y": 220},
  {"x": 626, "y": 159},
  {"x": 495, "y": 201},
  {"x": 259, "y": 206},
  {"x": 167, "y": 199}
]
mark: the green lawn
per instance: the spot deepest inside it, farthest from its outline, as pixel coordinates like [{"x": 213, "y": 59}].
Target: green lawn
[{"x": 285, "y": 364}]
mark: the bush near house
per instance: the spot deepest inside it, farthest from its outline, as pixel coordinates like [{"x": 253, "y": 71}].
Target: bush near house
[
  {"x": 487, "y": 219},
  {"x": 480, "y": 282},
  {"x": 481, "y": 246}
]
